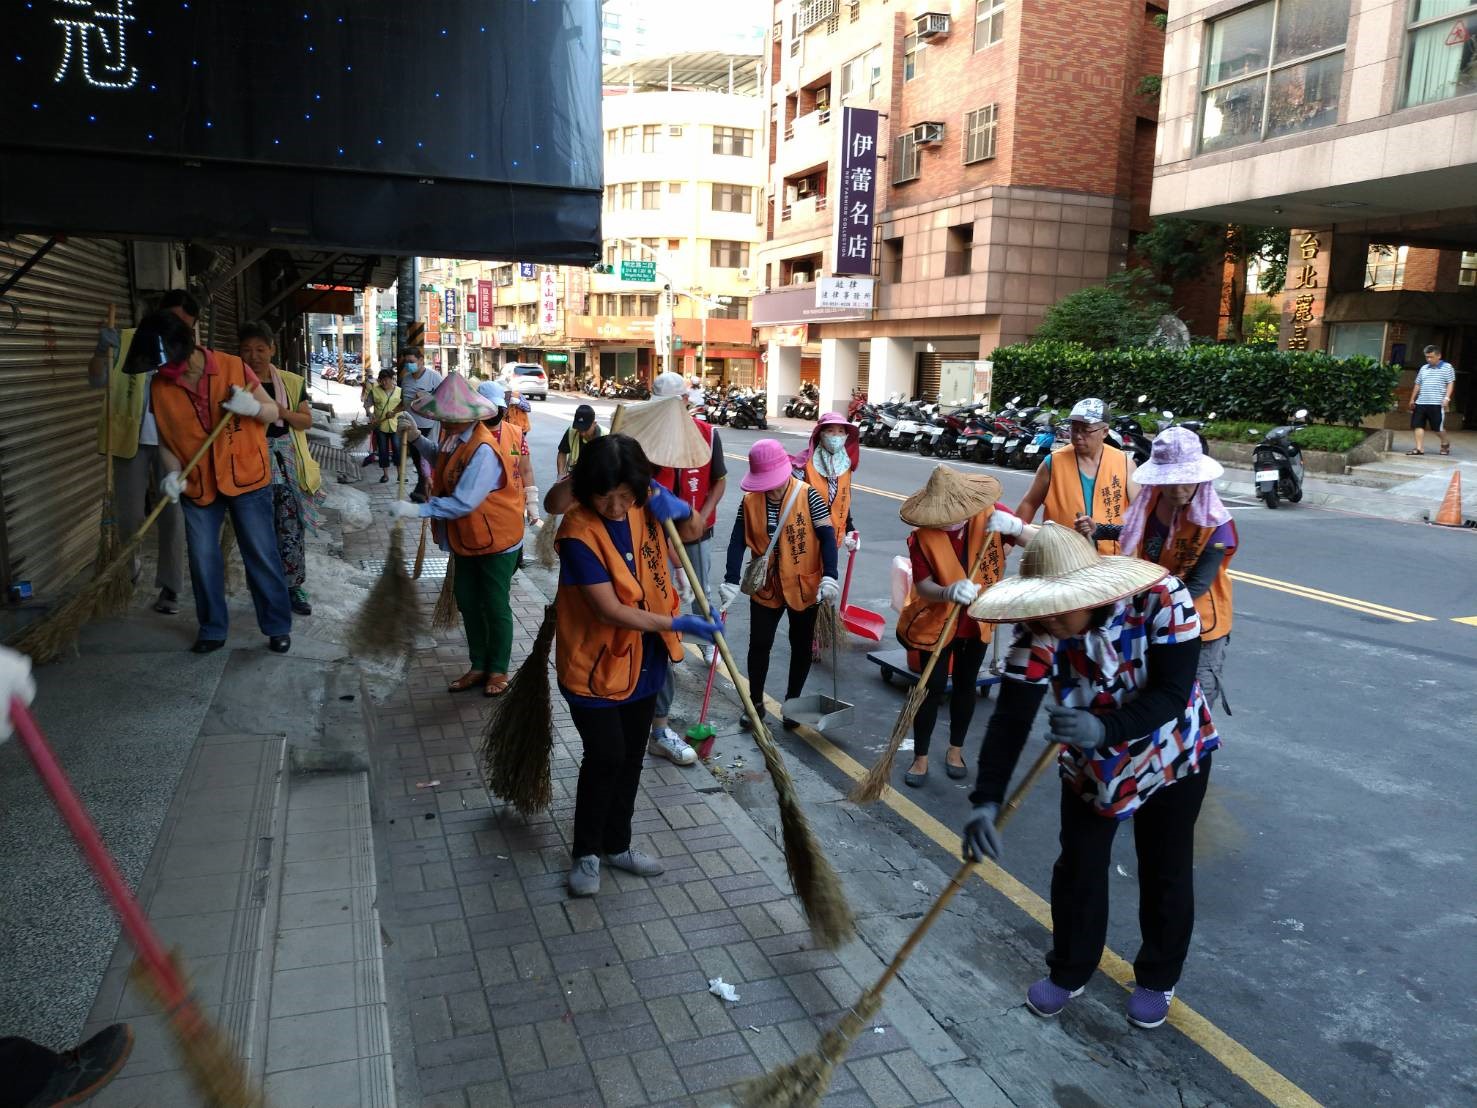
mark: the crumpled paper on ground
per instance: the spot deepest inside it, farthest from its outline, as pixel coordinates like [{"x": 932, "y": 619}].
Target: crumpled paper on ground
[{"x": 721, "y": 988}]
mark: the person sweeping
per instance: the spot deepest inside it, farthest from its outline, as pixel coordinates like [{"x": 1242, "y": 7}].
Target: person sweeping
[
  {"x": 1115, "y": 642},
  {"x": 383, "y": 403},
  {"x": 787, "y": 528},
  {"x": 1089, "y": 478},
  {"x": 476, "y": 507},
  {"x": 618, "y": 630},
  {"x": 958, "y": 523},
  {"x": 512, "y": 444},
  {"x": 1180, "y": 523},
  {"x": 827, "y": 465}
]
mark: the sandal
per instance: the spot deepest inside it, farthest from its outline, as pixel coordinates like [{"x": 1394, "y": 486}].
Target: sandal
[
  {"x": 1415, "y": 453},
  {"x": 471, "y": 679},
  {"x": 497, "y": 684},
  {"x": 1445, "y": 449}
]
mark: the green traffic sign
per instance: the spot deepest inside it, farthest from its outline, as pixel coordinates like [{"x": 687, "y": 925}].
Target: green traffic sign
[
  {"x": 557, "y": 358},
  {"x": 638, "y": 271}
]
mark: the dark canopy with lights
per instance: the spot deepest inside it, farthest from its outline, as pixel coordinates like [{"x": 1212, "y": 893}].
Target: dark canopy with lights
[{"x": 442, "y": 127}]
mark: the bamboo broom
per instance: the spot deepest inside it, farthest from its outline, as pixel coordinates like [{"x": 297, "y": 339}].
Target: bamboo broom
[
  {"x": 420, "y": 550},
  {"x": 815, "y": 882},
  {"x": 444, "y": 618},
  {"x": 218, "y": 1074},
  {"x": 802, "y": 1083},
  {"x": 870, "y": 787},
  {"x": 389, "y": 620},
  {"x": 116, "y": 593},
  {"x": 46, "y": 639},
  {"x": 518, "y": 741}
]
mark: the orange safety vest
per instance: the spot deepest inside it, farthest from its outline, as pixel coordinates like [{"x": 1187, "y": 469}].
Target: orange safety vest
[
  {"x": 517, "y": 417},
  {"x": 841, "y": 506},
  {"x": 512, "y": 449},
  {"x": 1180, "y": 552},
  {"x": 922, "y": 621},
  {"x": 238, "y": 461},
  {"x": 795, "y": 568},
  {"x": 495, "y": 524},
  {"x": 1109, "y": 496},
  {"x": 595, "y": 658}
]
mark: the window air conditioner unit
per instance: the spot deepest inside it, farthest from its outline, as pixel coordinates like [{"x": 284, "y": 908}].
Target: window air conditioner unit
[
  {"x": 928, "y": 134},
  {"x": 801, "y": 278},
  {"x": 931, "y": 25},
  {"x": 745, "y": 273}
]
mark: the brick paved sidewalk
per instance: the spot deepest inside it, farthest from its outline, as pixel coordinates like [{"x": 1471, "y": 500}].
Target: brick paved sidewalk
[{"x": 504, "y": 990}]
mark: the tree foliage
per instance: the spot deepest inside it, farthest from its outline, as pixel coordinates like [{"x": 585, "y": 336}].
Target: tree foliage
[
  {"x": 1121, "y": 312},
  {"x": 1184, "y": 249}
]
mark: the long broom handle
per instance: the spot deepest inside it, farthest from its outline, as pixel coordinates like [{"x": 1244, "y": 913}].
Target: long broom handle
[
  {"x": 400, "y": 479},
  {"x": 946, "y": 636},
  {"x": 165, "y": 502},
  {"x": 962, "y": 874},
  {"x": 135, "y": 924}
]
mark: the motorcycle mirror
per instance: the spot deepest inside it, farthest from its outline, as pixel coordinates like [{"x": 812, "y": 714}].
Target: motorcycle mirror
[
  {"x": 1167, "y": 414},
  {"x": 1301, "y": 413},
  {"x": 1252, "y": 431},
  {"x": 1209, "y": 416},
  {"x": 1015, "y": 399},
  {"x": 1041, "y": 399},
  {"x": 1143, "y": 398}
]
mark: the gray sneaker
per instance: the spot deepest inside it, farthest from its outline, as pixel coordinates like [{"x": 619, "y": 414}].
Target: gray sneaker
[
  {"x": 666, "y": 743},
  {"x": 584, "y": 876},
  {"x": 634, "y": 861}
]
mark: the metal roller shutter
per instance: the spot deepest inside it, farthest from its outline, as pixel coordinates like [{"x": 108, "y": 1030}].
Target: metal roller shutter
[
  {"x": 864, "y": 366},
  {"x": 222, "y": 318},
  {"x": 929, "y": 372},
  {"x": 51, "y": 475}
]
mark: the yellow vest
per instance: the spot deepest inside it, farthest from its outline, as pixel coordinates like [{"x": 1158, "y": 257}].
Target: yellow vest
[
  {"x": 309, "y": 477},
  {"x": 128, "y": 394}
]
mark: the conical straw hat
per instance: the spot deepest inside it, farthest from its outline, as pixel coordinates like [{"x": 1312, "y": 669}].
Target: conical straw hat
[
  {"x": 949, "y": 497},
  {"x": 454, "y": 401},
  {"x": 1062, "y": 572},
  {"x": 665, "y": 431}
]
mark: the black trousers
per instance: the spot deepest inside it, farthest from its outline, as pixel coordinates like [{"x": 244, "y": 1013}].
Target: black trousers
[
  {"x": 1164, "y": 837},
  {"x": 610, "y": 773},
  {"x": 27, "y": 1067},
  {"x": 967, "y": 656},
  {"x": 764, "y": 623}
]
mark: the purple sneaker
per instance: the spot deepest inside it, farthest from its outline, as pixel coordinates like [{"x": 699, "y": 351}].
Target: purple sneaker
[
  {"x": 1148, "y": 1008},
  {"x": 1047, "y": 998}
]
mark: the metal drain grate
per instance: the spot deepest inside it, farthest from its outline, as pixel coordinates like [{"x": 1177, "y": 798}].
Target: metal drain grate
[{"x": 434, "y": 565}]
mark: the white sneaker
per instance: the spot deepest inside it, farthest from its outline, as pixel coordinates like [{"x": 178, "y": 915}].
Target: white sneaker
[
  {"x": 666, "y": 743},
  {"x": 584, "y": 876}
]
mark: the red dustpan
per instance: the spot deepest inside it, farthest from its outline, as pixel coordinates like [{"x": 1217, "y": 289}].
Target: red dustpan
[{"x": 861, "y": 622}]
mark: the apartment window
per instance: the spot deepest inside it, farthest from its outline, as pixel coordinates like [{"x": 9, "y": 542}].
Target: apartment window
[
  {"x": 674, "y": 130},
  {"x": 959, "y": 250},
  {"x": 651, "y": 248},
  {"x": 628, "y": 196},
  {"x": 1441, "y": 51},
  {"x": 736, "y": 308},
  {"x": 628, "y": 139},
  {"x": 979, "y": 133},
  {"x": 862, "y": 75},
  {"x": 912, "y": 57},
  {"x": 651, "y": 195},
  {"x": 1467, "y": 275},
  {"x": 733, "y": 198},
  {"x": 989, "y": 23},
  {"x": 1384, "y": 267},
  {"x": 628, "y": 305},
  {"x": 674, "y": 188},
  {"x": 905, "y": 158},
  {"x": 733, "y": 140},
  {"x": 610, "y": 198},
  {"x": 892, "y": 260},
  {"x": 1272, "y": 69},
  {"x": 648, "y": 138},
  {"x": 612, "y": 141},
  {"x": 727, "y": 254},
  {"x": 674, "y": 245},
  {"x": 646, "y": 305},
  {"x": 502, "y": 277}
]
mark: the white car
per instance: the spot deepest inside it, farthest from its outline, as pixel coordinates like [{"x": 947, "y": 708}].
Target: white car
[{"x": 526, "y": 379}]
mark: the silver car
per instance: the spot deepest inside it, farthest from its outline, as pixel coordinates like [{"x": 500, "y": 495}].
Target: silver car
[{"x": 526, "y": 379}]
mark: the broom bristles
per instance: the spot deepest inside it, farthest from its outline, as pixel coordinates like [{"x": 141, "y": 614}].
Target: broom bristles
[
  {"x": 444, "y": 618},
  {"x": 827, "y": 626},
  {"x": 389, "y": 621},
  {"x": 518, "y": 742},
  {"x": 116, "y": 592},
  {"x": 420, "y": 551},
  {"x": 803, "y": 1082},
  {"x": 544, "y": 544},
  {"x": 355, "y": 435},
  {"x": 870, "y": 787}
]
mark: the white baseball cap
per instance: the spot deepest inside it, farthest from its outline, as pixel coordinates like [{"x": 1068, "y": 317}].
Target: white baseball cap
[
  {"x": 668, "y": 384},
  {"x": 1089, "y": 410}
]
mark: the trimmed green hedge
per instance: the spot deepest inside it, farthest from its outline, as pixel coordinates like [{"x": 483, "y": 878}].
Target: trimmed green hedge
[
  {"x": 1234, "y": 382},
  {"x": 1336, "y": 440}
]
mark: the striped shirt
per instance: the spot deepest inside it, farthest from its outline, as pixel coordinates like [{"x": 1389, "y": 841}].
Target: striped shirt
[
  {"x": 818, "y": 510},
  {"x": 1431, "y": 383}
]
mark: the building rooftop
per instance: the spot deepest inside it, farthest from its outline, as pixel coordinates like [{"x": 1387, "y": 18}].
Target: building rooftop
[{"x": 708, "y": 71}]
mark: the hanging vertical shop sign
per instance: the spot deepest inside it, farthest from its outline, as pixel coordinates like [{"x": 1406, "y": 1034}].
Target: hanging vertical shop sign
[
  {"x": 433, "y": 319},
  {"x": 856, "y": 199},
  {"x": 525, "y": 271},
  {"x": 484, "y": 303},
  {"x": 449, "y": 313},
  {"x": 548, "y": 306}
]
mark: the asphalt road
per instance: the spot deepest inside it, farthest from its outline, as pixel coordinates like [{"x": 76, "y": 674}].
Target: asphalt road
[{"x": 1336, "y": 934}]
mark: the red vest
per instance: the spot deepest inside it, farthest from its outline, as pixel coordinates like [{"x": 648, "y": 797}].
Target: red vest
[{"x": 695, "y": 482}]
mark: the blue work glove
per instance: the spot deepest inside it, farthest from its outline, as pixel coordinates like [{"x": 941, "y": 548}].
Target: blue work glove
[
  {"x": 981, "y": 837},
  {"x": 1075, "y": 727},
  {"x": 664, "y": 505},
  {"x": 705, "y": 629},
  {"x": 524, "y": 405},
  {"x": 107, "y": 339}
]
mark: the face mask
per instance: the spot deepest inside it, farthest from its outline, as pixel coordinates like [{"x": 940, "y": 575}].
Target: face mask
[
  {"x": 411, "y": 367},
  {"x": 955, "y": 528},
  {"x": 834, "y": 443}
]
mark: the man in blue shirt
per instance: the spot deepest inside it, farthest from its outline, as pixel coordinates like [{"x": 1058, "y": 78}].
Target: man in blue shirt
[{"x": 1429, "y": 399}]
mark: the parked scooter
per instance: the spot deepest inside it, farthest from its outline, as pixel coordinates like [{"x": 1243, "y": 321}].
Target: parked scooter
[
  {"x": 1277, "y": 463},
  {"x": 746, "y": 409},
  {"x": 1127, "y": 434}
]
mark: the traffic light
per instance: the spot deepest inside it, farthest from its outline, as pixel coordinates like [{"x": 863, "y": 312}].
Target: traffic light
[{"x": 601, "y": 267}]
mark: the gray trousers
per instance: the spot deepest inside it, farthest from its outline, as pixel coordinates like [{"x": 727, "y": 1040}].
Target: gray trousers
[
  {"x": 134, "y": 479},
  {"x": 1210, "y": 670},
  {"x": 697, "y": 554}
]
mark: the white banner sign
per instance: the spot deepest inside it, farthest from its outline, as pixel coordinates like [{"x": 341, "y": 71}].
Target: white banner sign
[
  {"x": 844, "y": 292},
  {"x": 548, "y": 313}
]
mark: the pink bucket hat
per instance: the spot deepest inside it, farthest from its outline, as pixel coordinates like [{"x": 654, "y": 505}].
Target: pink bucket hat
[
  {"x": 769, "y": 467},
  {"x": 1176, "y": 459},
  {"x": 831, "y": 421}
]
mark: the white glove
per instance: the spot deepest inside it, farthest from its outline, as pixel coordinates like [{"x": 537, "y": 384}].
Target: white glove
[
  {"x": 171, "y": 486},
  {"x": 962, "y": 591},
  {"x": 829, "y": 592},
  {"x": 404, "y": 509},
  {"x": 15, "y": 680},
  {"x": 852, "y": 542},
  {"x": 406, "y": 426},
  {"x": 242, "y": 403},
  {"x": 530, "y": 503},
  {"x": 1004, "y": 523},
  {"x": 684, "y": 588},
  {"x": 727, "y": 594}
]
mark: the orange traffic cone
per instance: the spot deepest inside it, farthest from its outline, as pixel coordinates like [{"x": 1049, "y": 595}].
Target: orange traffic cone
[{"x": 1450, "y": 512}]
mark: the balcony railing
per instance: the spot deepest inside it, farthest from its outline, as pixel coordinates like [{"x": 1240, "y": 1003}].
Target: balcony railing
[
  {"x": 803, "y": 208},
  {"x": 814, "y": 12},
  {"x": 810, "y": 120}
]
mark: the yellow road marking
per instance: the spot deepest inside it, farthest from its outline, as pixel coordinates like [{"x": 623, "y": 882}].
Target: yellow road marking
[
  {"x": 1240, "y": 1061},
  {"x": 1368, "y": 607},
  {"x": 1470, "y": 621}
]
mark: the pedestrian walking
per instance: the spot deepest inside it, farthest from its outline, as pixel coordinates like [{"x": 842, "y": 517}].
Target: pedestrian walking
[
  {"x": 618, "y": 630},
  {"x": 1088, "y": 478},
  {"x": 583, "y": 430},
  {"x": 702, "y": 488},
  {"x": 418, "y": 381},
  {"x": 132, "y": 439},
  {"x": 192, "y": 390},
  {"x": 383, "y": 403},
  {"x": 827, "y": 466},
  {"x": 1179, "y": 522},
  {"x": 1430, "y": 396},
  {"x": 476, "y": 508},
  {"x": 1115, "y": 641},
  {"x": 296, "y": 481},
  {"x": 958, "y": 522},
  {"x": 787, "y": 528}
]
